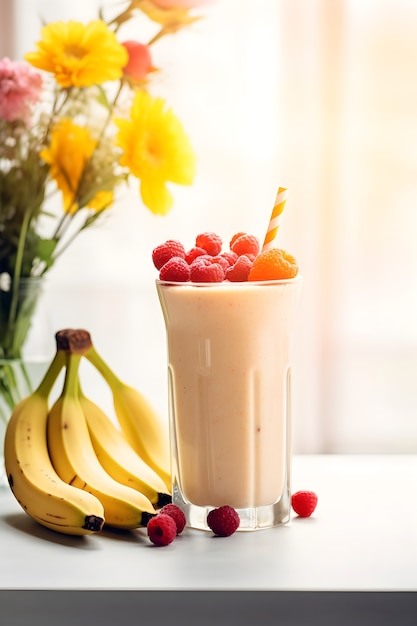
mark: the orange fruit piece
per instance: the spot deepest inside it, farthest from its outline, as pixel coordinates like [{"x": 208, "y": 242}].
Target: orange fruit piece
[{"x": 273, "y": 264}]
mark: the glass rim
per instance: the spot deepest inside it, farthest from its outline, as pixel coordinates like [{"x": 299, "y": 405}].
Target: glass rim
[{"x": 229, "y": 284}]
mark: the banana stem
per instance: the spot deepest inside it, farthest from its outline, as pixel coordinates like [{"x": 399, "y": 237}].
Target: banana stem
[
  {"x": 71, "y": 384},
  {"x": 95, "y": 359},
  {"x": 45, "y": 386}
]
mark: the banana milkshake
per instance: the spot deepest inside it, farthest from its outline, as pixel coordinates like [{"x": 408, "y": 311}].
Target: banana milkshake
[{"x": 229, "y": 374}]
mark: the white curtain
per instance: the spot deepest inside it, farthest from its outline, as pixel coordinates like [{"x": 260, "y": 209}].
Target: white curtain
[{"x": 319, "y": 96}]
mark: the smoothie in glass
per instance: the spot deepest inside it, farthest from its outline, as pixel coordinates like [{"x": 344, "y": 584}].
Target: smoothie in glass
[{"x": 229, "y": 376}]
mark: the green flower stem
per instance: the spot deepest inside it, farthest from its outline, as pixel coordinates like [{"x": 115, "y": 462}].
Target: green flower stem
[
  {"x": 60, "y": 226},
  {"x": 56, "y": 110},
  {"x": 159, "y": 34},
  {"x": 8, "y": 384},
  {"x": 16, "y": 278}
]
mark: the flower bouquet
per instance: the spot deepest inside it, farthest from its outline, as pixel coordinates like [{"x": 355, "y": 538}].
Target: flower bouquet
[{"x": 77, "y": 120}]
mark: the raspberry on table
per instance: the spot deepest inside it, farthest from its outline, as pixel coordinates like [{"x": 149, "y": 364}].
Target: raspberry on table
[
  {"x": 177, "y": 515},
  {"x": 205, "y": 272},
  {"x": 176, "y": 269},
  {"x": 304, "y": 503},
  {"x": 239, "y": 272},
  {"x": 162, "y": 529},
  {"x": 211, "y": 242},
  {"x": 273, "y": 264},
  {"x": 193, "y": 253},
  {"x": 165, "y": 251},
  {"x": 246, "y": 244},
  {"x": 223, "y": 521}
]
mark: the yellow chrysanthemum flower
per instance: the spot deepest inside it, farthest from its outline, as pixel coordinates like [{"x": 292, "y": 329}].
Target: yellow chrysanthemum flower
[
  {"x": 156, "y": 150},
  {"x": 79, "y": 55},
  {"x": 68, "y": 154}
]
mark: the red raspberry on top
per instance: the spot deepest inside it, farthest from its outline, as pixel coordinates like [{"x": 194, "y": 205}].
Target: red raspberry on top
[
  {"x": 245, "y": 244},
  {"x": 162, "y": 529},
  {"x": 223, "y": 521},
  {"x": 203, "y": 271},
  {"x": 211, "y": 242},
  {"x": 165, "y": 251},
  {"x": 177, "y": 515},
  {"x": 231, "y": 257},
  {"x": 239, "y": 272},
  {"x": 176, "y": 269},
  {"x": 193, "y": 253},
  {"x": 233, "y": 239},
  {"x": 304, "y": 503},
  {"x": 220, "y": 259}
]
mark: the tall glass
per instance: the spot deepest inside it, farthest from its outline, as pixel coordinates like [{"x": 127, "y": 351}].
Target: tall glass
[{"x": 229, "y": 379}]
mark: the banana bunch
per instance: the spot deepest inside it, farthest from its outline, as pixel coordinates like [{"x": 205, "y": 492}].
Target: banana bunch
[
  {"x": 69, "y": 466},
  {"x": 32, "y": 478}
]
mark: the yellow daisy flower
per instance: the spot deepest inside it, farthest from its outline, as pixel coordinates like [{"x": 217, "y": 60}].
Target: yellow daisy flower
[
  {"x": 69, "y": 152},
  {"x": 156, "y": 150},
  {"x": 79, "y": 55}
]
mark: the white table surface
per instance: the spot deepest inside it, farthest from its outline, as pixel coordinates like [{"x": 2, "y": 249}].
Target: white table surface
[{"x": 362, "y": 537}]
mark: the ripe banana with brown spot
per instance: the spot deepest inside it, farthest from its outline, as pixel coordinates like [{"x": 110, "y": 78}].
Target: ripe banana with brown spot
[
  {"x": 118, "y": 458},
  {"x": 140, "y": 424},
  {"x": 75, "y": 460},
  {"x": 41, "y": 493}
]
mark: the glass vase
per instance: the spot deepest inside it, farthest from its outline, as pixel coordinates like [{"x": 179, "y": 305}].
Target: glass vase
[{"x": 24, "y": 349}]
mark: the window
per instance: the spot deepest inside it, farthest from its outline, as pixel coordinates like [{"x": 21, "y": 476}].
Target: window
[{"x": 315, "y": 95}]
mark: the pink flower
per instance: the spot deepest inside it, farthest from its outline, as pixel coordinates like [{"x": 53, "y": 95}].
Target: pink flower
[
  {"x": 179, "y": 4},
  {"x": 140, "y": 62},
  {"x": 20, "y": 88}
]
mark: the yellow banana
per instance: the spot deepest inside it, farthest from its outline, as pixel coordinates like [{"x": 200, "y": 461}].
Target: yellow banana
[
  {"x": 32, "y": 479},
  {"x": 75, "y": 461},
  {"x": 118, "y": 458},
  {"x": 139, "y": 422}
]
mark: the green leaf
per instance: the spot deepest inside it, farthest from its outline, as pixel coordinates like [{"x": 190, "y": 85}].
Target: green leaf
[
  {"x": 45, "y": 249},
  {"x": 102, "y": 98}
]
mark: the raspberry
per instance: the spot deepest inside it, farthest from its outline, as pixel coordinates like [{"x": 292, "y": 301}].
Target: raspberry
[
  {"x": 211, "y": 242},
  {"x": 234, "y": 238},
  {"x": 223, "y": 521},
  {"x": 176, "y": 269},
  {"x": 304, "y": 503},
  {"x": 202, "y": 271},
  {"x": 221, "y": 261},
  {"x": 239, "y": 272},
  {"x": 162, "y": 529},
  {"x": 231, "y": 257},
  {"x": 165, "y": 251},
  {"x": 194, "y": 253},
  {"x": 246, "y": 244},
  {"x": 177, "y": 515},
  {"x": 273, "y": 264}
]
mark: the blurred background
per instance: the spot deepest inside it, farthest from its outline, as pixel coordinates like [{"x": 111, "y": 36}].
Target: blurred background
[{"x": 319, "y": 96}]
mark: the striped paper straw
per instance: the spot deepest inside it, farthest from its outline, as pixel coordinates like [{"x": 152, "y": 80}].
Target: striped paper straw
[{"x": 279, "y": 206}]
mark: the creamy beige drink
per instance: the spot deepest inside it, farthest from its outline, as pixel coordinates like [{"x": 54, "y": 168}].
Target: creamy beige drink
[{"x": 229, "y": 383}]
